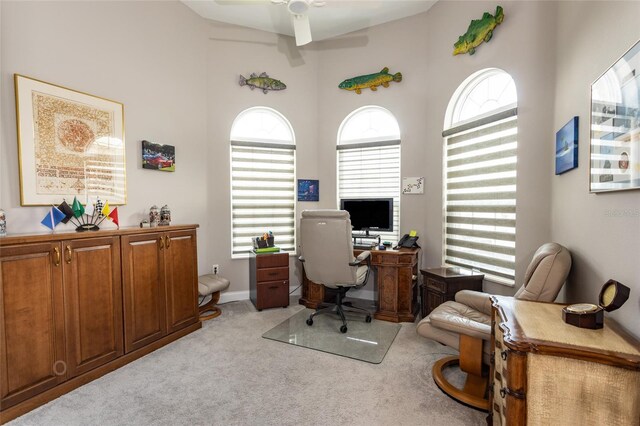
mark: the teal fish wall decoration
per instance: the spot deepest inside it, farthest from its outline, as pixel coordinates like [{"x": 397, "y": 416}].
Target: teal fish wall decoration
[
  {"x": 370, "y": 81},
  {"x": 479, "y": 31},
  {"x": 262, "y": 81}
]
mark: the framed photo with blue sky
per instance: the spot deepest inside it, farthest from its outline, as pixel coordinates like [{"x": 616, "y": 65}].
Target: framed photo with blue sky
[{"x": 567, "y": 147}]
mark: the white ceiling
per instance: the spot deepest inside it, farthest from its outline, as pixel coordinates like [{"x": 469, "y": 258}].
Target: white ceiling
[{"x": 335, "y": 18}]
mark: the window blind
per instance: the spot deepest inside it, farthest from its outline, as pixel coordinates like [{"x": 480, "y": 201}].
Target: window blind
[
  {"x": 371, "y": 170},
  {"x": 480, "y": 197},
  {"x": 262, "y": 194}
]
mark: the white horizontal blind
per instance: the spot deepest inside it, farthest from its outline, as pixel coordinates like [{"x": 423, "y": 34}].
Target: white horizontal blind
[
  {"x": 262, "y": 195},
  {"x": 480, "y": 197},
  {"x": 366, "y": 171}
]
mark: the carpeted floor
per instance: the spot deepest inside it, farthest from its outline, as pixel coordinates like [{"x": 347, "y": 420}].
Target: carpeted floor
[{"x": 227, "y": 374}]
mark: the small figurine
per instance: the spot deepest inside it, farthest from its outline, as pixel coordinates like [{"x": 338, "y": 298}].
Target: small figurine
[
  {"x": 154, "y": 216},
  {"x": 3, "y": 224},
  {"x": 165, "y": 216}
]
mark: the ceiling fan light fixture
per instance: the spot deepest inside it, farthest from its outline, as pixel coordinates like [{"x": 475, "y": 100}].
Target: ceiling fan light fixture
[{"x": 298, "y": 7}]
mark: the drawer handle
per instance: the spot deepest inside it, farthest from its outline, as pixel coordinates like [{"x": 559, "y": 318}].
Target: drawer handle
[
  {"x": 56, "y": 259},
  {"x": 167, "y": 241},
  {"x": 273, "y": 287},
  {"x": 161, "y": 242},
  {"x": 272, "y": 273},
  {"x": 68, "y": 254},
  {"x": 503, "y": 355},
  {"x": 503, "y": 392}
]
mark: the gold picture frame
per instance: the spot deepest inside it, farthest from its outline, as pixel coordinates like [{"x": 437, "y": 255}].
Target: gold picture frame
[{"x": 70, "y": 144}]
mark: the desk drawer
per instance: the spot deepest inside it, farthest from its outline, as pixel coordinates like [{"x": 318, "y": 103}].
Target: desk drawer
[
  {"x": 437, "y": 285},
  {"x": 272, "y": 260},
  {"x": 273, "y": 294},
  {"x": 272, "y": 274}
]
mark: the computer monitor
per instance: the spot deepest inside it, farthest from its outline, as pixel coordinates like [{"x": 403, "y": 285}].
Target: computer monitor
[{"x": 369, "y": 213}]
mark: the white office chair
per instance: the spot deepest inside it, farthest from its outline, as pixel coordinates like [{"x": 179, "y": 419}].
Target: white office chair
[{"x": 326, "y": 253}]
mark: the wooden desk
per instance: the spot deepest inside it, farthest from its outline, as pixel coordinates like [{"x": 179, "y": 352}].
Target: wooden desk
[
  {"x": 396, "y": 274},
  {"x": 544, "y": 371}
]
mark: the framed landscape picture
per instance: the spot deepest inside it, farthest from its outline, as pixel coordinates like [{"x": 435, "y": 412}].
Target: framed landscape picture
[
  {"x": 70, "y": 144},
  {"x": 615, "y": 126},
  {"x": 156, "y": 156},
  {"x": 567, "y": 147}
]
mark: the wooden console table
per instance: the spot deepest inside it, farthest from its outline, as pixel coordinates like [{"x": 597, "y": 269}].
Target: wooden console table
[
  {"x": 396, "y": 275},
  {"x": 544, "y": 371}
]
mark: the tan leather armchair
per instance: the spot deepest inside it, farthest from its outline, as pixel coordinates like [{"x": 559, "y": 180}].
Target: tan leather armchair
[{"x": 465, "y": 324}]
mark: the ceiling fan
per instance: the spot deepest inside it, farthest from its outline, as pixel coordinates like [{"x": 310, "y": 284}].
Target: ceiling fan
[{"x": 299, "y": 10}]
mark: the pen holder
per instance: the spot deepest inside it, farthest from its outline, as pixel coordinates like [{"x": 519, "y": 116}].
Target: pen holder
[{"x": 264, "y": 243}]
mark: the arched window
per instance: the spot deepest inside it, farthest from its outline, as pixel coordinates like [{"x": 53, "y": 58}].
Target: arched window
[
  {"x": 262, "y": 179},
  {"x": 480, "y": 143},
  {"x": 369, "y": 159}
]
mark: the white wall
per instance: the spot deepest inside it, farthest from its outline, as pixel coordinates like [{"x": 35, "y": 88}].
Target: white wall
[
  {"x": 151, "y": 56},
  {"x": 421, "y": 48},
  {"x": 602, "y": 231}
]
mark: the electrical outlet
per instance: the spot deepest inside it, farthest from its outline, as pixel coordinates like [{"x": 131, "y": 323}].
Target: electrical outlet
[{"x": 215, "y": 269}]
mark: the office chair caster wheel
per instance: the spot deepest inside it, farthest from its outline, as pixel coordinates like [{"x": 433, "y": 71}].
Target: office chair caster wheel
[
  {"x": 309, "y": 321},
  {"x": 368, "y": 318},
  {"x": 343, "y": 329}
]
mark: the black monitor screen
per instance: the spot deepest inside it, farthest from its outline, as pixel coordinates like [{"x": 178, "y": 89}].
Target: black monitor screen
[{"x": 370, "y": 213}]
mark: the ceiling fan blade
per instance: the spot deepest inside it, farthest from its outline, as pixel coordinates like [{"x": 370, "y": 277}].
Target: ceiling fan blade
[{"x": 302, "y": 29}]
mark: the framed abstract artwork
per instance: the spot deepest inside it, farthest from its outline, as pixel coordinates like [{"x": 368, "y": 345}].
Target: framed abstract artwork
[
  {"x": 308, "y": 190},
  {"x": 567, "y": 147},
  {"x": 70, "y": 144},
  {"x": 614, "y": 159}
]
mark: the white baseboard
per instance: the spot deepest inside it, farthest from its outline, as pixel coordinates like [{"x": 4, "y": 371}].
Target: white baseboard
[{"x": 233, "y": 296}]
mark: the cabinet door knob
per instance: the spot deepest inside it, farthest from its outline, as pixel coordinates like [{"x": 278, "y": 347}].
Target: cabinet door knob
[
  {"x": 56, "y": 257},
  {"x": 68, "y": 254},
  {"x": 503, "y": 355},
  {"x": 161, "y": 242},
  {"x": 503, "y": 392},
  {"x": 168, "y": 241}
]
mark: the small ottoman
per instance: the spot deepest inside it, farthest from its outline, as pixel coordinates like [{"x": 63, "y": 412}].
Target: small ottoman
[{"x": 211, "y": 285}]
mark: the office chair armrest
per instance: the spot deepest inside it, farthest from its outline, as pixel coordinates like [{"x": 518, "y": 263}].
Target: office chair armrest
[
  {"x": 301, "y": 259},
  {"x": 361, "y": 258}
]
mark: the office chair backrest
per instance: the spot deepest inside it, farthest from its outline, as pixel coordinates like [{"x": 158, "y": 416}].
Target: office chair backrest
[
  {"x": 326, "y": 246},
  {"x": 546, "y": 273}
]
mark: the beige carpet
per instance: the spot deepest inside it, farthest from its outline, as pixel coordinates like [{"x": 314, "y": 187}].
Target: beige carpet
[{"x": 227, "y": 374}]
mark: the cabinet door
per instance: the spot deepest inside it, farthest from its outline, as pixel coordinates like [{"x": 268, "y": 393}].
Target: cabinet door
[
  {"x": 181, "y": 268},
  {"x": 144, "y": 289},
  {"x": 32, "y": 355},
  {"x": 93, "y": 302}
]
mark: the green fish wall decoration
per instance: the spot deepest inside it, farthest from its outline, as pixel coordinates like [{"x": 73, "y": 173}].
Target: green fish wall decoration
[
  {"x": 371, "y": 81},
  {"x": 480, "y": 30},
  {"x": 262, "y": 81}
]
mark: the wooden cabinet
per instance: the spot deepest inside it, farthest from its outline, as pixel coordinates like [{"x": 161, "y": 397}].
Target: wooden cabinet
[
  {"x": 93, "y": 302},
  {"x": 160, "y": 285},
  {"x": 32, "y": 352},
  {"x": 74, "y": 306},
  {"x": 544, "y": 371},
  {"x": 269, "y": 280},
  {"x": 442, "y": 284},
  {"x": 181, "y": 279},
  {"x": 397, "y": 278}
]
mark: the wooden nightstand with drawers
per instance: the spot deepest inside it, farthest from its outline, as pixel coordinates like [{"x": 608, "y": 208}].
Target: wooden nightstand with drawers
[
  {"x": 269, "y": 280},
  {"x": 442, "y": 284}
]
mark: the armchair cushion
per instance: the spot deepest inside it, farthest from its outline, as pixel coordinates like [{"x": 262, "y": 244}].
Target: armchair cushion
[
  {"x": 461, "y": 319},
  {"x": 474, "y": 299}
]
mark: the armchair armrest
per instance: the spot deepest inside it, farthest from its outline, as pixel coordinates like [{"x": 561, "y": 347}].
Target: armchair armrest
[
  {"x": 361, "y": 258},
  {"x": 474, "y": 299}
]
